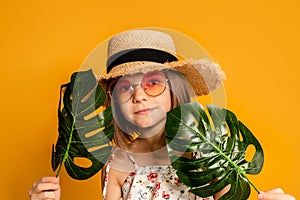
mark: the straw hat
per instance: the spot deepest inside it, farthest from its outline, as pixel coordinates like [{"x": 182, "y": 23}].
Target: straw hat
[{"x": 147, "y": 50}]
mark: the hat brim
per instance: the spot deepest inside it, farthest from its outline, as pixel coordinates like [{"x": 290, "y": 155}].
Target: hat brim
[{"x": 204, "y": 76}]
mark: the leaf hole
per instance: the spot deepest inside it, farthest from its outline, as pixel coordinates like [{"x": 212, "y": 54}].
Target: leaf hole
[
  {"x": 88, "y": 94},
  {"x": 94, "y": 132},
  {"x": 225, "y": 190},
  {"x": 63, "y": 90},
  {"x": 97, "y": 147},
  {"x": 228, "y": 130},
  {"x": 250, "y": 151},
  {"x": 96, "y": 112},
  {"x": 241, "y": 137},
  {"x": 83, "y": 162}
]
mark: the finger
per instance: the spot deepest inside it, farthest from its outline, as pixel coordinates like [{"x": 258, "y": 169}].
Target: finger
[
  {"x": 275, "y": 195},
  {"x": 44, "y": 195},
  {"x": 47, "y": 179},
  {"x": 276, "y": 190},
  {"x": 43, "y": 187}
]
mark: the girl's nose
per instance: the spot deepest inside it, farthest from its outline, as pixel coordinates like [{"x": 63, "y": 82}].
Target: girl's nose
[{"x": 139, "y": 95}]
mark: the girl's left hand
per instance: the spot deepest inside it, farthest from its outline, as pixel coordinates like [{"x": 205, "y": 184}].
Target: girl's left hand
[{"x": 275, "y": 194}]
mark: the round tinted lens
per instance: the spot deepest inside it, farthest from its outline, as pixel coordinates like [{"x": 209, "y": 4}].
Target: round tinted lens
[
  {"x": 154, "y": 83},
  {"x": 122, "y": 90}
]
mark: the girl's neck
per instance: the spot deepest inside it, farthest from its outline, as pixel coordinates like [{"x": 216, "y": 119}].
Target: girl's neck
[{"x": 148, "y": 144}]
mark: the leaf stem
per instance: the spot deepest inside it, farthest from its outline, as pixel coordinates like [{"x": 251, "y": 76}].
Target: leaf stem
[
  {"x": 258, "y": 192},
  {"x": 58, "y": 171},
  {"x": 231, "y": 162},
  {"x": 68, "y": 147},
  {"x": 238, "y": 168}
]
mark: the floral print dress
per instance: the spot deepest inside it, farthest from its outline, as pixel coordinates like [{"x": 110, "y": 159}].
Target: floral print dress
[{"x": 158, "y": 182}]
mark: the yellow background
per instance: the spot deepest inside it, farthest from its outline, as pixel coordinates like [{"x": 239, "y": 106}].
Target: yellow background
[{"x": 44, "y": 42}]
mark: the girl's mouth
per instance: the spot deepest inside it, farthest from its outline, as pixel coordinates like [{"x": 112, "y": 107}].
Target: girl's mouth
[{"x": 143, "y": 111}]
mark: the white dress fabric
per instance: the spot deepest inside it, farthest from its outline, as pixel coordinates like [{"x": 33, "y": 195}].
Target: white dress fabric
[{"x": 157, "y": 182}]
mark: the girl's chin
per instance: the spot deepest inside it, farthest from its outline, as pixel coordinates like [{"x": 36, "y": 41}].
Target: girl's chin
[
  {"x": 143, "y": 123},
  {"x": 151, "y": 130},
  {"x": 144, "y": 126},
  {"x": 151, "y": 124}
]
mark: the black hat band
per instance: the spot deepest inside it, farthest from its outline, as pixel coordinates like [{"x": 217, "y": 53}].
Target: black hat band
[{"x": 144, "y": 54}]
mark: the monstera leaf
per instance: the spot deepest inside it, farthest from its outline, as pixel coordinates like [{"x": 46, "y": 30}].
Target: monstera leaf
[
  {"x": 222, "y": 143},
  {"x": 83, "y": 132}
]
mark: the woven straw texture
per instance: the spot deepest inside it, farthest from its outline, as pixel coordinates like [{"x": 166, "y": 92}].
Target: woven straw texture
[{"x": 203, "y": 75}]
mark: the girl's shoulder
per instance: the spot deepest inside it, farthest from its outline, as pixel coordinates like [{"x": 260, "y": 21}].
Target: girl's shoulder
[
  {"x": 116, "y": 170},
  {"x": 120, "y": 161}
]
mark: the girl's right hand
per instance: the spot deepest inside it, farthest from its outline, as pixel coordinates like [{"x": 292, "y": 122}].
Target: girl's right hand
[{"x": 45, "y": 189}]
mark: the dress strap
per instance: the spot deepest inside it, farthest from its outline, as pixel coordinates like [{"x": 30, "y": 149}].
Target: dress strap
[
  {"x": 133, "y": 161},
  {"x": 107, "y": 169}
]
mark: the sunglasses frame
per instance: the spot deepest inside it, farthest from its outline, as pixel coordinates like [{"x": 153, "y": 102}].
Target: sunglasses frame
[{"x": 133, "y": 87}]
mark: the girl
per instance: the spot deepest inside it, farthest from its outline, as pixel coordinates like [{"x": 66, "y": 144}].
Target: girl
[{"x": 145, "y": 80}]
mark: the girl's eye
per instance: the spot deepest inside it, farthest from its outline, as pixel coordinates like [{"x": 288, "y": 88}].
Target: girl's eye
[
  {"x": 154, "y": 82},
  {"x": 153, "y": 79},
  {"x": 122, "y": 87}
]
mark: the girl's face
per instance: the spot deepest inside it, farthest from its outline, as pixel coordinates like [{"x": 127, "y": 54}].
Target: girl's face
[{"x": 144, "y": 99}]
